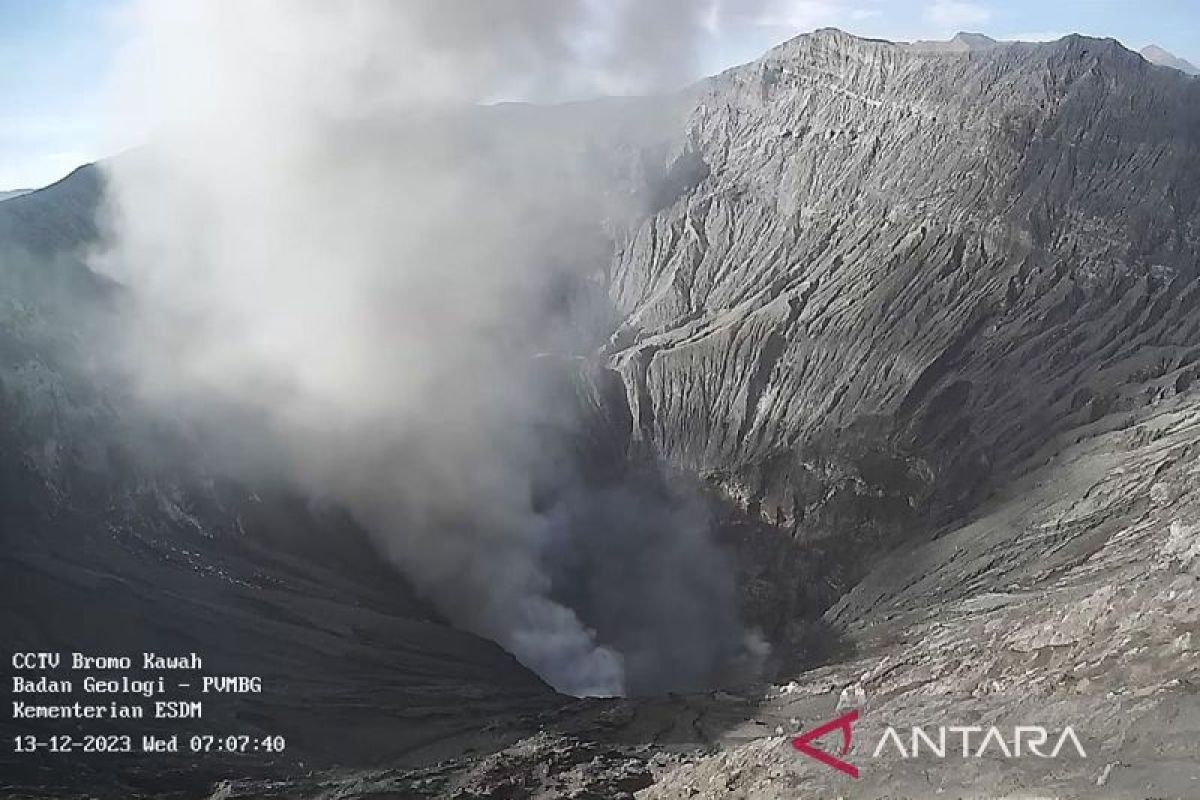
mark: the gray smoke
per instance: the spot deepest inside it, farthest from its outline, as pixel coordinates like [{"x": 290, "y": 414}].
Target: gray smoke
[{"x": 336, "y": 254}]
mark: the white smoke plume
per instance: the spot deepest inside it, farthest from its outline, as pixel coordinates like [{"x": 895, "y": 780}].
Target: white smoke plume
[{"x": 333, "y": 251}]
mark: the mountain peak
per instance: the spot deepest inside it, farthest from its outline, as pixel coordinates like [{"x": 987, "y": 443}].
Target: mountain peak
[
  {"x": 962, "y": 42},
  {"x": 1163, "y": 58},
  {"x": 974, "y": 40}
]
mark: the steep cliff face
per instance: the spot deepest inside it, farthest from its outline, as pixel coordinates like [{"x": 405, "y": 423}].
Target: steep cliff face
[
  {"x": 898, "y": 274},
  {"x": 945, "y": 302}
]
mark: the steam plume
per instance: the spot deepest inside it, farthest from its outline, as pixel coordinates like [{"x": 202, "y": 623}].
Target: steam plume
[{"x": 332, "y": 249}]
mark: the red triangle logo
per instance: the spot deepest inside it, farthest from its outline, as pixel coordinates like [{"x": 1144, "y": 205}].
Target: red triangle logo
[{"x": 843, "y": 724}]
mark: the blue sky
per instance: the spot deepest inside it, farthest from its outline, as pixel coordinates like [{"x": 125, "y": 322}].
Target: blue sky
[
  {"x": 56, "y": 56},
  {"x": 54, "y": 61}
]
